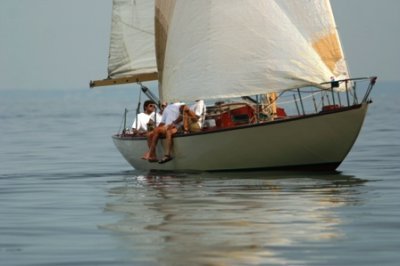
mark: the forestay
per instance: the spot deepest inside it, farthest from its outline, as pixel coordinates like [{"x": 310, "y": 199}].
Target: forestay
[{"x": 220, "y": 49}]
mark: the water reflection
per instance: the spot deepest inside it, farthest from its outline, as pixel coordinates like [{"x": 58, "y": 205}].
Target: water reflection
[{"x": 230, "y": 219}]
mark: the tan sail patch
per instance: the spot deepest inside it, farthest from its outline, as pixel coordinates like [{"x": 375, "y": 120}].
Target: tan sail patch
[{"x": 329, "y": 50}]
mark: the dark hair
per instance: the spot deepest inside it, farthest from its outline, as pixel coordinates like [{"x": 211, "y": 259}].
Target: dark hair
[{"x": 146, "y": 103}]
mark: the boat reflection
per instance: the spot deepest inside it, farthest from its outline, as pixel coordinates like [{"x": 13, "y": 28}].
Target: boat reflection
[{"x": 230, "y": 218}]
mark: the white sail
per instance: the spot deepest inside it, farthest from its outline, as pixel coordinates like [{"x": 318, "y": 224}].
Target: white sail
[
  {"x": 218, "y": 49},
  {"x": 163, "y": 14},
  {"x": 315, "y": 21},
  {"x": 132, "y": 49}
]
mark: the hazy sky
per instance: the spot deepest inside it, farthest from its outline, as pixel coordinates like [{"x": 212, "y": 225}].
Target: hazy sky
[{"x": 64, "y": 43}]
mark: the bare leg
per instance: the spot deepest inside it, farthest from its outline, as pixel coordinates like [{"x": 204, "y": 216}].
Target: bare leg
[
  {"x": 149, "y": 139},
  {"x": 159, "y": 131},
  {"x": 168, "y": 138}
]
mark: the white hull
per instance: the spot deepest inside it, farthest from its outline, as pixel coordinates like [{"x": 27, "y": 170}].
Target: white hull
[{"x": 319, "y": 141}]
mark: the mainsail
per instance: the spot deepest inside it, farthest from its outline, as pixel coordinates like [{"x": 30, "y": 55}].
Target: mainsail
[{"x": 221, "y": 49}]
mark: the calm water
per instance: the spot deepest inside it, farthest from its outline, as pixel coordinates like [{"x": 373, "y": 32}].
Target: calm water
[{"x": 67, "y": 197}]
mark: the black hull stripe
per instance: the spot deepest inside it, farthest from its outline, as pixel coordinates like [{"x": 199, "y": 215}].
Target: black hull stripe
[{"x": 314, "y": 168}]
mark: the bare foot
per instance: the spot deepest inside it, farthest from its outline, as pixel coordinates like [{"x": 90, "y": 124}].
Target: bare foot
[{"x": 146, "y": 156}]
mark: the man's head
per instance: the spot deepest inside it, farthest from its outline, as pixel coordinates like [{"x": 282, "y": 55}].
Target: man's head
[{"x": 149, "y": 106}]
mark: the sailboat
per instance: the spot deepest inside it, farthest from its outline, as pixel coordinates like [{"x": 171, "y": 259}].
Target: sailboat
[{"x": 272, "y": 72}]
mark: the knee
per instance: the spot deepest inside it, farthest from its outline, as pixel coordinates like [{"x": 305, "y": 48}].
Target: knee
[{"x": 156, "y": 133}]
